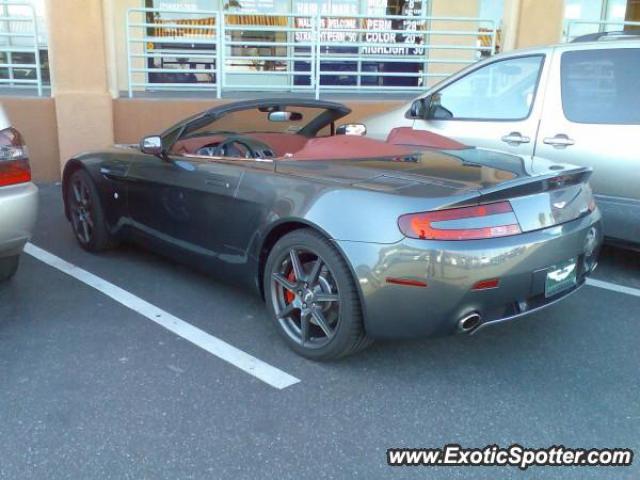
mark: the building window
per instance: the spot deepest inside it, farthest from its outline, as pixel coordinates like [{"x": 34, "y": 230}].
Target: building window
[
  {"x": 590, "y": 16},
  {"x": 270, "y": 44}
]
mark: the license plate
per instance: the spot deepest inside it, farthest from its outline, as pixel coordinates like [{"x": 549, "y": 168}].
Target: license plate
[{"x": 561, "y": 277}]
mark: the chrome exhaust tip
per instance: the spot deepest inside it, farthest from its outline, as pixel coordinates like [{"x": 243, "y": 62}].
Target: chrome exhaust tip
[{"x": 469, "y": 322}]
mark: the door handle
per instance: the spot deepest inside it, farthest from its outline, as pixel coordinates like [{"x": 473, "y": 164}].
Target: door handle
[
  {"x": 559, "y": 141},
  {"x": 515, "y": 138}
]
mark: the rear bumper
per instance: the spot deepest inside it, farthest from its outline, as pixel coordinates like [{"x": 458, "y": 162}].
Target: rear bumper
[
  {"x": 450, "y": 269},
  {"x": 18, "y": 211}
]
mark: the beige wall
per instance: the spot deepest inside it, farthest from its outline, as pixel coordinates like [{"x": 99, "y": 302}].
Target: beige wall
[
  {"x": 539, "y": 22},
  {"x": 35, "y": 118},
  {"x": 77, "y": 61},
  {"x": 452, "y": 8}
]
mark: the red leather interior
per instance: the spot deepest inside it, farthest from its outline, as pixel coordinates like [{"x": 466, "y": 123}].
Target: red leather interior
[
  {"x": 422, "y": 138},
  {"x": 347, "y": 146},
  {"x": 281, "y": 143},
  {"x": 400, "y": 142}
]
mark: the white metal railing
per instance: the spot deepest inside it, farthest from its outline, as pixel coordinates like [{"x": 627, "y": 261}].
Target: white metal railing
[
  {"x": 374, "y": 54},
  {"x": 293, "y": 52},
  {"x": 19, "y": 50},
  {"x": 161, "y": 54},
  {"x": 593, "y": 26},
  {"x": 282, "y": 59}
]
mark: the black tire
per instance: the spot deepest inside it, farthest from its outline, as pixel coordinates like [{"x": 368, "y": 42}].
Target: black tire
[
  {"x": 8, "y": 267},
  {"x": 87, "y": 214},
  {"x": 318, "y": 311}
]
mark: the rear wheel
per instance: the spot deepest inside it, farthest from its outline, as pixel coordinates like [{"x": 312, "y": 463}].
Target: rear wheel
[
  {"x": 312, "y": 297},
  {"x": 87, "y": 214},
  {"x": 8, "y": 267}
]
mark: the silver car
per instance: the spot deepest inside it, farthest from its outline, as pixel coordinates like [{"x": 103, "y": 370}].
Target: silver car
[
  {"x": 572, "y": 103},
  {"x": 18, "y": 198}
]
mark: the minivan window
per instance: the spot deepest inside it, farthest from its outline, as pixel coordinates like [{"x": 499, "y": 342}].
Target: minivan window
[
  {"x": 601, "y": 86},
  {"x": 502, "y": 90}
]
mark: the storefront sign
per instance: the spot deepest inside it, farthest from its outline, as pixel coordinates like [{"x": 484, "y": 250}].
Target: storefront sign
[{"x": 335, "y": 26}]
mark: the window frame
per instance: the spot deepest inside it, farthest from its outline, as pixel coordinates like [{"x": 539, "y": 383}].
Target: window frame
[
  {"x": 562, "y": 86},
  {"x": 542, "y": 56}
]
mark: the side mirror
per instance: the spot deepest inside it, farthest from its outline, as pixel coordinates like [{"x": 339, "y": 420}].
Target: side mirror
[
  {"x": 418, "y": 108},
  {"x": 429, "y": 108},
  {"x": 435, "y": 110},
  {"x": 152, "y": 145},
  {"x": 357, "y": 129}
]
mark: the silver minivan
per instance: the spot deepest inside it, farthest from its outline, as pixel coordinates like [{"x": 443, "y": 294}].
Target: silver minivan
[{"x": 573, "y": 103}]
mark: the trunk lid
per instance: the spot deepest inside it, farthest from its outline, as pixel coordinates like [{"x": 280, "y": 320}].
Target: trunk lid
[
  {"x": 429, "y": 173},
  {"x": 546, "y": 200},
  {"x": 549, "y": 195}
]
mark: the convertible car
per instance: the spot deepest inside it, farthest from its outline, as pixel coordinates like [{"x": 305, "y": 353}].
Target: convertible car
[{"x": 347, "y": 238}]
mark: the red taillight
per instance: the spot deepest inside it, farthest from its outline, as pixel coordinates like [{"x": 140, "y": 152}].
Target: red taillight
[
  {"x": 406, "y": 281},
  {"x": 14, "y": 160},
  {"x": 423, "y": 225},
  {"x": 486, "y": 284}
]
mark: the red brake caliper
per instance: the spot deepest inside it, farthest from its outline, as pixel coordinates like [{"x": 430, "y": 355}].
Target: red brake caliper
[{"x": 288, "y": 294}]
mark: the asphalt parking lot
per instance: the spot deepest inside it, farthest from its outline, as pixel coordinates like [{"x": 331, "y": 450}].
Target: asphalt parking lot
[{"x": 93, "y": 389}]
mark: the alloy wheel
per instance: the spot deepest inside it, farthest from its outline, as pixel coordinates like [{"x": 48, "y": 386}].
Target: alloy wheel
[
  {"x": 81, "y": 209},
  {"x": 306, "y": 298}
]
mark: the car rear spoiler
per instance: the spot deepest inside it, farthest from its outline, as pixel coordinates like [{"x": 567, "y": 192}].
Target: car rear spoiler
[{"x": 524, "y": 186}]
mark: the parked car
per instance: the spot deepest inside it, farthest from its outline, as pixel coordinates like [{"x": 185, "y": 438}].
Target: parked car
[
  {"x": 576, "y": 103},
  {"x": 347, "y": 238},
  {"x": 18, "y": 198}
]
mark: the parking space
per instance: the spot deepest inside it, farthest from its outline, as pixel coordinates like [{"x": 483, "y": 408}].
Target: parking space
[{"x": 93, "y": 389}]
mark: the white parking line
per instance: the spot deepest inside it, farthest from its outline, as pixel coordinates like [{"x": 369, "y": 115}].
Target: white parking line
[
  {"x": 613, "y": 287},
  {"x": 221, "y": 349}
]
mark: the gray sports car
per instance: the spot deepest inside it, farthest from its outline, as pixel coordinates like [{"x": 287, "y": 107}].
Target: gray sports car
[{"x": 347, "y": 238}]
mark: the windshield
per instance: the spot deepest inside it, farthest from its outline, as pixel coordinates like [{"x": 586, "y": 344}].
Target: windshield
[{"x": 256, "y": 120}]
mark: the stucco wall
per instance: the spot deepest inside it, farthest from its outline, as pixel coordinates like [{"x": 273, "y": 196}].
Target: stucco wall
[
  {"x": 35, "y": 118},
  {"x": 539, "y": 22},
  {"x": 79, "y": 72}
]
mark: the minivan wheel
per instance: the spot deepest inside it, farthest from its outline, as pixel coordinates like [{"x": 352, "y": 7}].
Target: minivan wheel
[
  {"x": 312, "y": 297},
  {"x": 86, "y": 213},
  {"x": 8, "y": 267}
]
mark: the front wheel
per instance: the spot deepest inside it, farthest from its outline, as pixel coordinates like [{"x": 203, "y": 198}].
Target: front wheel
[
  {"x": 87, "y": 214},
  {"x": 312, "y": 297}
]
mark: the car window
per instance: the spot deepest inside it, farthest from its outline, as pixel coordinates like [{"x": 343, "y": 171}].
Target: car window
[
  {"x": 203, "y": 137},
  {"x": 601, "y": 86},
  {"x": 502, "y": 90},
  {"x": 254, "y": 120}
]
